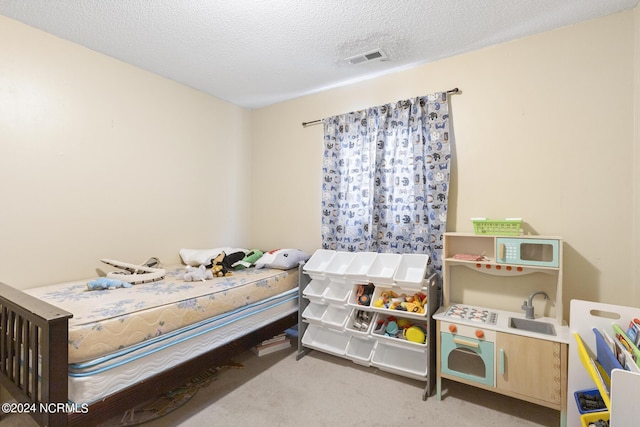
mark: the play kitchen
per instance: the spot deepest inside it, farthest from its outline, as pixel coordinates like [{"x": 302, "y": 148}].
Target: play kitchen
[{"x": 495, "y": 329}]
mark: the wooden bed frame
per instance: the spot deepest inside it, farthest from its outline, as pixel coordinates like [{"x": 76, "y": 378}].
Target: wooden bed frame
[{"x": 36, "y": 332}]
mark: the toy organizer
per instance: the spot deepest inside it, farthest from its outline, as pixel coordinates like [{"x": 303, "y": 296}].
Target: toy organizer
[
  {"x": 592, "y": 362},
  {"x": 371, "y": 308}
]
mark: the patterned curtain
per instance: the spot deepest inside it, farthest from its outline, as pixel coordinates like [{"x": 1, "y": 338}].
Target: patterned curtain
[{"x": 386, "y": 178}]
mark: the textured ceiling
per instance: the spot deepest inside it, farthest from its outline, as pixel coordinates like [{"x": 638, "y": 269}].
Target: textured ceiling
[{"x": 254, "y": 53}]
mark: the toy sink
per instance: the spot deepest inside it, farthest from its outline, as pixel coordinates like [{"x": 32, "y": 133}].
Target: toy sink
[{"x": 532, "y": 326}]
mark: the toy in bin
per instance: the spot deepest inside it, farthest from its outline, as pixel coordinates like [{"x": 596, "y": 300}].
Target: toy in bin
[
  {"x": 595, "y": 419},
  {"x": 392, "y": 301},
  {"x": 401, "y": 328},
  {"x": 364, "y": 294},
  {"x": 589, "y": 401}
]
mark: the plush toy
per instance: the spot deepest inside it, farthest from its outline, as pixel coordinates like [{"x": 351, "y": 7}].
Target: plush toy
[
  {"x": 249, "y": 259},
  {"x": 107, "y": 283},
  {"x": 196, "y": 273},
  {"x": 223, "y": 263},
  {"x": 283, "y": 259}
]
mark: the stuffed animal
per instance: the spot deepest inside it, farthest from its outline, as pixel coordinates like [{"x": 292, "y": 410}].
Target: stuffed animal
[
  {"x": 223, "y": 263},
  {"x": 283, "y": 259},
  {"x": 107, "y": 283},
  {"x": 196, "y": 273},
  {"x": 249, "y": 259}
]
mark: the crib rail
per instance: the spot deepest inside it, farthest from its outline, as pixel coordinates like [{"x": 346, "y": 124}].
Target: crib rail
[{"x": 34, "y": 354}]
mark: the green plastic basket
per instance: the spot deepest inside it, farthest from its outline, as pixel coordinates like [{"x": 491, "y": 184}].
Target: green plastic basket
[{"x": 506, "y": 227}]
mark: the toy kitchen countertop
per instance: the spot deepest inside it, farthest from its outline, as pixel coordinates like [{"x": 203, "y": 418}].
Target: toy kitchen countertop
[{"x": 546, "y": 328}]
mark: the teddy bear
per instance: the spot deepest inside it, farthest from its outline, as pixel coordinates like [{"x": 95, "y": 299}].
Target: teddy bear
[{"x": 193, "y": 274}]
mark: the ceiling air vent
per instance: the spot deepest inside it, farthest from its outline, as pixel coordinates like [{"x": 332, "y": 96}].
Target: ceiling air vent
[{"x": 377, "y": 54}]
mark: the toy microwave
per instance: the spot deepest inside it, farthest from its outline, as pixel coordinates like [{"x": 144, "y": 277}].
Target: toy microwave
[{"x": 531, "y": 252}]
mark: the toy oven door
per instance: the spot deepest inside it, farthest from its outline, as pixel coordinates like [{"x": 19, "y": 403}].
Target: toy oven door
[{"x": 467, "y": 358}]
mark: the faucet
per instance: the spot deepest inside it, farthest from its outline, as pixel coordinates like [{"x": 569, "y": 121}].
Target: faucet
[{"x": 527, "y": 305}]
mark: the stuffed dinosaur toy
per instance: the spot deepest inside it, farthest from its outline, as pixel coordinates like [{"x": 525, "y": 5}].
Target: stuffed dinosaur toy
[{"x": 194, "y": 274}]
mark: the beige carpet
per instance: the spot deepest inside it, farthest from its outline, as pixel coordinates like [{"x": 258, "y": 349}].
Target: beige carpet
[{"x": 323, "y": 390}]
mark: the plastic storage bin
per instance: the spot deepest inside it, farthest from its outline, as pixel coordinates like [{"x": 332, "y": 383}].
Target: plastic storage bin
[
  {"x": 379, "y": 298},
  {"x": 336, "y": 292},
  {"x": 337, "y": 266},
  {"x": 314, "y": 312},
  {"x": 497, "y": 227},
  {"x": 359, "y": 267},
  {"x": 353, "y": 298},
  {"x": 360, "y": 350},
  {"x": 588, "y": 420},
  {"x": 327, "y": 340},
  {"x": 335, "y": 316},
  {"x": 315, "y": 289},
  {"x": 401, "y": 360},
  {"x": 397, "y": 333},
  {"x": 318, "y": 262},
  {"x": 360, "y": 322},
  {"x": 411, "y": 271},
  {"x": 383, "y": 268},
  {"x": 589, "y": 401}
]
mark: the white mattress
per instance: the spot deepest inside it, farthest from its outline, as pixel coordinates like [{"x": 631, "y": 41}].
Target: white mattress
[{"x": 95, "y": 379}]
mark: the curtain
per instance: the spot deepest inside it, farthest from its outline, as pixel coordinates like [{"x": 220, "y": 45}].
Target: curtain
[{"x": 386, "y": 178}]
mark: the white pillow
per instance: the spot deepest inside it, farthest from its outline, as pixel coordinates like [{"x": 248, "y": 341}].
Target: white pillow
[
  {"x": 283, "y": 259},
  {"x": 198, "y": 257}
]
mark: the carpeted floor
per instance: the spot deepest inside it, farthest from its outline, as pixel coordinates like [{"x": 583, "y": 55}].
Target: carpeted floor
[{"x": 324, "y": 390}]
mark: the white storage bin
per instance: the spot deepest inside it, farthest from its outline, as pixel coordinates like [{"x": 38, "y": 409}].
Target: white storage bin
[
  {"x": 353, "y": 298},
  {"x": 313, "y": 312},
  {"x": 318, "y": 262},
  {"x": 337, "y": 266},
  {"x": 327, "y": 340},
  {"x": 359, "y": 267},
  {"x": 411, "y": 270},
  {"x": 401, "y": 360},
  {"x": 378, "y": 297},
  {"x": 336, "y": 292},
  {"x": 404, "y": 325},
  {"x": 314, "y": 290},
  {"x": 360, "y": 350},
  {"x": 335, "y": 316},
  {"x": 383, "y": 268},
  {"x": 360, "y": 322}
]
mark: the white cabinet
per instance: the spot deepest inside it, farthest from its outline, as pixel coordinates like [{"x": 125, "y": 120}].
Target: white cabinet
[{"x": 373, "y": 309}]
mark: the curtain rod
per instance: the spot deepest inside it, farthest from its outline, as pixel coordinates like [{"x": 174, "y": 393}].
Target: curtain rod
[{"x": 315, "y": 122}]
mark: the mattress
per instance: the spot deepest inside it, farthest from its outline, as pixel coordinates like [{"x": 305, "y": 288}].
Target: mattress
[
  {"x": 90, "y": 381},
  {"x": 105, "y": 322}
]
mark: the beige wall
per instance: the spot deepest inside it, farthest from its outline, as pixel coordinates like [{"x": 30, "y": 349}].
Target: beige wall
[
  {"x": 635, "y": 292},
  {"x": 99, "y": 159},
  {"x": 544, "y": 129}
]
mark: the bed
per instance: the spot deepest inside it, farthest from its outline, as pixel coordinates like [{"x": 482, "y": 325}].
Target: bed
[{"x": 98, "y": 353}]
